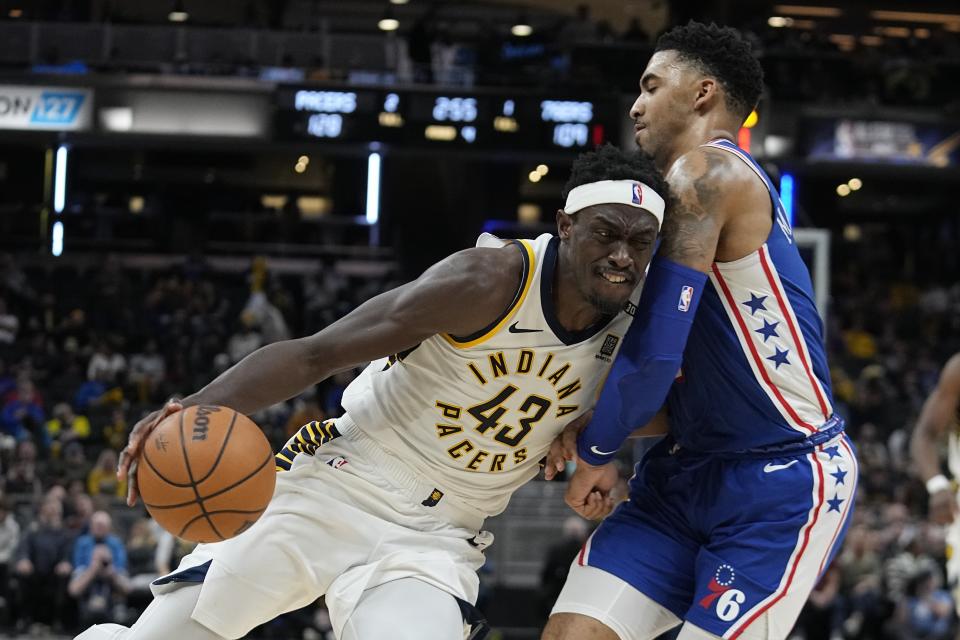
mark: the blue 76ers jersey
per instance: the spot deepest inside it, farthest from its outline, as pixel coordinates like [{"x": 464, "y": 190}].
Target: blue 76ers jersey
[{"x": 754, "y": 369}]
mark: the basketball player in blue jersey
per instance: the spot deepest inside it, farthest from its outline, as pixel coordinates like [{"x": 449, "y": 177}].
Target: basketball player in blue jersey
[
  {"x": 476, "y": 366},
  {"x": 733, "y": 517}
]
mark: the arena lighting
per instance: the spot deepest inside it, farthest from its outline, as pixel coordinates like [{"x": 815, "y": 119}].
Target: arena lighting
[
  {"x": 805, "y": 10},
  {"x": 843, "y": 191},
  {"x": 855, "y": 184},
  {"x": 916, "y": 16},
  {"x": 779, "y": 21},
  {"x": 56, "y": 243},
  {"x": 744, "y": 139},
  {"x": 60, "y": 180},
  {"x": 373, "y": 188},
  {"x": 16, "y": 13},
  {"x": 388, "y": 22},
  {"x": 786, "y": 195},
  {"x": 178, "y": 13},
  {"x": 543, "y": 169},
  {"x": 399, "y": 1},
  {"x": 521, "y": 30},
  {"x": 533, "y": 176}
]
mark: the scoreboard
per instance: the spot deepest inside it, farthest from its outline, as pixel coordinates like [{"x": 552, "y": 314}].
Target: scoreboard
[{"x": 488, "y": 120}]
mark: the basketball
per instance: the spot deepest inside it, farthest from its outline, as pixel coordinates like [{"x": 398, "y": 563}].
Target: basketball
[{"x": 206, "y": 473}]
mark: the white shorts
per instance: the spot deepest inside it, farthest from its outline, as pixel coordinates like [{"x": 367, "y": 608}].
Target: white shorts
[{"x": 335, "y": 529}]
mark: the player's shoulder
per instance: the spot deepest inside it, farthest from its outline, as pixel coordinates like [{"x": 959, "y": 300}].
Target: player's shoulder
[
  {"x": 486, "y": 274},
  {"x": 951, "y": 373},
  {"x": 705, "y": 169}
]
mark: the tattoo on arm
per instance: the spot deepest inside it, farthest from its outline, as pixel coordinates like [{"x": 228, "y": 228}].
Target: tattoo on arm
[{"x": 692, "y": 225}]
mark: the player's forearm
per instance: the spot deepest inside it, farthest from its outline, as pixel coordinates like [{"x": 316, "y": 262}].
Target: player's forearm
[
  {"x": 924, "y": 451},
  {"x": 648, "y": 362},
  {"x": 271, "y": 374}
]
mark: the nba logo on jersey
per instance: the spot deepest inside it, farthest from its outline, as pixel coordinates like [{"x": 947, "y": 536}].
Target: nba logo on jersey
[
  {"x": 637, "y": 193},
  {"x": 686, "y": 296}
]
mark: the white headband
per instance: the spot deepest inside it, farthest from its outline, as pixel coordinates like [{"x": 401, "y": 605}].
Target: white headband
[{"x": 629, "y": 192}]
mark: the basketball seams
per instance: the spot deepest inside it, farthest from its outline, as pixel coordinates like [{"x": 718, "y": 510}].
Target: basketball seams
[
  {"x": 216, "y": 493},
  {"x": 241, "y": 480},
  {"x": 199, "y": 517},
  {"x": 181, "y": 485},
  {"x": 196, "y": 491},
  {"x": 223, "y": 447}
]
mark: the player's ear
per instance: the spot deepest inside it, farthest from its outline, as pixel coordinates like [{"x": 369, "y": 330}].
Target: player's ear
[
  {"x": 564, "y": 224},
  {"x": 707, "y": 91}
]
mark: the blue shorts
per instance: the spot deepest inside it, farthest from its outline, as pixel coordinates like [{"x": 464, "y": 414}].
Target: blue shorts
[{"x": 724, "y": 542}]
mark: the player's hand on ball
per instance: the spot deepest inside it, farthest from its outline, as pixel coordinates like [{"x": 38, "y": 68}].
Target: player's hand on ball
[
  {"x": 943, "y": 506},
  {"x": 127, "y": 467},
  {"x": 588, "y": 492},
  {"x": 564, "y": 446}
]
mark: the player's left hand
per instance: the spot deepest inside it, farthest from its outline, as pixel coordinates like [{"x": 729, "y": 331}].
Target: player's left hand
[
  {"x": 564, "y": 446},
  {"x": 588, "y": 492}
]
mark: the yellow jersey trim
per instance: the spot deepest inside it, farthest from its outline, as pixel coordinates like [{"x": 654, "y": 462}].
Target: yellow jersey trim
[{"x": 518, "y": 301}]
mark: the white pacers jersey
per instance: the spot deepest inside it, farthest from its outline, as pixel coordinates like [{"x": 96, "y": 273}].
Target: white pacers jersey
[{"x": 476, "y": 414}]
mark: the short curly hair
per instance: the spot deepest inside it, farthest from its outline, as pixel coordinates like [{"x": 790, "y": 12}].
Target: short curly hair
[
  {"x": 723, "y": 53},
  {"x": 608, "y": 162}
]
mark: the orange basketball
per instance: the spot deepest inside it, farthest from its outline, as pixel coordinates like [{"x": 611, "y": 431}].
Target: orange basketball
[{"x": 206, "y": 473}]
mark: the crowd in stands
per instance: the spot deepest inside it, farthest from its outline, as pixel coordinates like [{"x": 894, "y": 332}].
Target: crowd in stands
[
  {"x": 84, "y": 354},
  {"x": 850, "y": 59}
]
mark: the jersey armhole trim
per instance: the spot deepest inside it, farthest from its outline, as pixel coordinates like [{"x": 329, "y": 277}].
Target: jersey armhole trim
[{"x": 526, "y": 252}]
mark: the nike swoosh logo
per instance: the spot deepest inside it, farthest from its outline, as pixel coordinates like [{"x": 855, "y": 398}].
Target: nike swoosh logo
[
  {"x": 515, "y": 329},
  {"x": 770, "y": 467},
  {"x": 601, "y": 453}
]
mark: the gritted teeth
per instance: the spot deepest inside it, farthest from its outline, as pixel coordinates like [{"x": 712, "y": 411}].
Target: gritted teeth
[{"x": 615, "y": 278}]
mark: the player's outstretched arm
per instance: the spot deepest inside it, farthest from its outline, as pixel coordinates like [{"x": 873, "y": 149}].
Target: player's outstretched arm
[
  {"x": 459, "y": 295},
  {"x": 937, "y": 415}
]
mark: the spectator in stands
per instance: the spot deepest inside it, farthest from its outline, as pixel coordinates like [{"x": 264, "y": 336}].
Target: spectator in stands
[
  {"x": 861, "y": 573},
  {"x": 23, "y": 477},
  {"x": 927, "y": 614},
  {"x": 106, "y": 365},
  {"x": 43, "y": 566},
  {"x": 115, "y": 432},
  {"x": 71, "y": 466},
  {"x": 246, "y": 340},
  {"x": 9, "y": 325},
  {"x": 147, "y": 371},
  {"x": 99, "y": 581},
  {"x": 9, "y": 539},
  {"x": 7, "y": 381},
  {"x": 141, "y": 558},
  {"x": 102, "y": 479},
  {"x": 79, "y": 514},
  {"x": 820, "y": 613},
  {"x": 65, "y": 426},
  {"x": 142, "y": 548},
  {"x": 22, "y": 416}
]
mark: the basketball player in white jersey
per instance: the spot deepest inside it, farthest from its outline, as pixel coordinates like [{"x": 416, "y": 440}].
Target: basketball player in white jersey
[
  {"x": 475, "y": 367},
  {"x": 941, "y": 417}
]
